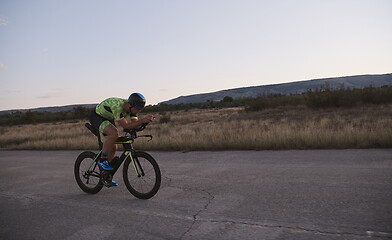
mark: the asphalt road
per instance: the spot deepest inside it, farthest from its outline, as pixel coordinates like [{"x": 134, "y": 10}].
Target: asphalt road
[{"x": 328, "y": 194}]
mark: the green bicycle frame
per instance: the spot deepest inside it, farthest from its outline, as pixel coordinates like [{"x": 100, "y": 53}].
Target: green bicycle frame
[{"x": 134, "y": 163}]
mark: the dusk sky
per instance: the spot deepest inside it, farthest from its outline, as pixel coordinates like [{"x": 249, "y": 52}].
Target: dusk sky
[{"x": 63, "y": 52}]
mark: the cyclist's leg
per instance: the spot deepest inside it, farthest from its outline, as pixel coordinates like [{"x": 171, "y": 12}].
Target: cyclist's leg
[
  {"x": 100, "y": 123},
  {"x": 109, "y": 145},
  {"x": 112, "y": 152}
]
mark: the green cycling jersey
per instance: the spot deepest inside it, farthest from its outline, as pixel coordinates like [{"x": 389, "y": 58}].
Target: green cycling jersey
[{"x": 113, "y": 109}]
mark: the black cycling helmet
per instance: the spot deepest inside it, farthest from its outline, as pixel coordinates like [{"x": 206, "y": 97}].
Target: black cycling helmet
[{"x": 137, "y": 100}]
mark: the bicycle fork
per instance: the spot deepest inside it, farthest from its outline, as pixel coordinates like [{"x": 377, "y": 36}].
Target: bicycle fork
[{"x": 136, "y": 165}]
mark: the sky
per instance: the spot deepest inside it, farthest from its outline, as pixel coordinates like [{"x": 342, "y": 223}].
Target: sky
[{"x": 63, "y": 52}]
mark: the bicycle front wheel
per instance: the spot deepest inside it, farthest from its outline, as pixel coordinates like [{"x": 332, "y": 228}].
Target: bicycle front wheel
[
  {"x": 142, "y": 175},
  {"x": 87, "y": 173}
]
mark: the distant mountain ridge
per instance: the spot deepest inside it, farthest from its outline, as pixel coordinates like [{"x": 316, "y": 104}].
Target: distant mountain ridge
[
  {"x": 359, "y": 81},
  {"x": 50, "y": 109}
]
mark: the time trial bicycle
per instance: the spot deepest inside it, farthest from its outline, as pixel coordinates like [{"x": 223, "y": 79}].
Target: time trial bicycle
[{"x": 141, "y": 172}]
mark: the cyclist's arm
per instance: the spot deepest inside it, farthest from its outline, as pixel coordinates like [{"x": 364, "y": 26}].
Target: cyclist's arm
[{"x": 134, "y": 123}]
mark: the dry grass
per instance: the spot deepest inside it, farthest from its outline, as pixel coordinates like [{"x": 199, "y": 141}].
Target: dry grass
[
  {"x": 227, "y": 129},
  {"x": 47, "y": 136}
]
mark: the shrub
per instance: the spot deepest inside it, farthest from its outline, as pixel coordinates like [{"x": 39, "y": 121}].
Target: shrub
[{"x": 164, "y": 119}]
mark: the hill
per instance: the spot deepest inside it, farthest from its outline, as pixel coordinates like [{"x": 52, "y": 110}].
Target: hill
[
  {"x": 50, "y": 109},
  {"x": 299, "y": 87},
  {"x": 351, "y": 82}
]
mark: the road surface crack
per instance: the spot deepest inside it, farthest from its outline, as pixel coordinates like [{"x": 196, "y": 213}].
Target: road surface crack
[{"x": 196, "y": 216}]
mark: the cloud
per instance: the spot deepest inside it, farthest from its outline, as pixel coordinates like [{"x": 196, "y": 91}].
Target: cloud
[
  {"x": 48, "y": 96},
  {"x": 45, "y": 50},
  {"x": 3, "y": 22},
  {"x": 3, "y": 66},
  {"x": 53, "y": 93},
  {"x": 14, "y": 91}
]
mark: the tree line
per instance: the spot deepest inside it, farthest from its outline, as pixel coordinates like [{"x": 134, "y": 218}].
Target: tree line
[
  {"x": 321, "y": 98},
  {"x": 324, "y": 98},
  {"x": 33, "y": 117}
]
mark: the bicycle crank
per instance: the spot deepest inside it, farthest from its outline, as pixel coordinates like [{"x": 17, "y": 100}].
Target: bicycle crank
[{"x": 106, "y": 178}]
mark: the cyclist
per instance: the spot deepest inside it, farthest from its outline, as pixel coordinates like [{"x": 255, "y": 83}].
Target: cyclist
[{"x": 112, "y": 111}]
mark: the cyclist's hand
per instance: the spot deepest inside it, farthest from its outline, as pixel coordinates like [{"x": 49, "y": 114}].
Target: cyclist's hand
[{"x": 148, "y": 119}]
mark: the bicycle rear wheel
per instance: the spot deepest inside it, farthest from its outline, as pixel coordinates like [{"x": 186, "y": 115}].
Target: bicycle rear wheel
[
  {"x": 142, "y": 176},
  {"x": 87, "y": 173}
]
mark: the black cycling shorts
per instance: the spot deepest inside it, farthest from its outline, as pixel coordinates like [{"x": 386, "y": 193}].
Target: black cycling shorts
[{"x": 97, "y": 120}]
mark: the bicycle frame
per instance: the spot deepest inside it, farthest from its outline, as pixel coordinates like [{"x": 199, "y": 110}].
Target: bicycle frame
[
  {"x": 128, "y": 150},
  {"x": 142, "y": 182}
]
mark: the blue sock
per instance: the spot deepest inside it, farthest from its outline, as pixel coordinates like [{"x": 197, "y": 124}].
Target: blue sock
[{"x": 104, "y": 156}]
